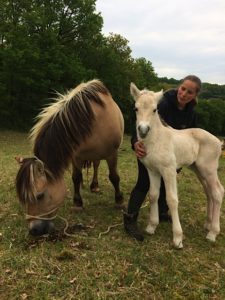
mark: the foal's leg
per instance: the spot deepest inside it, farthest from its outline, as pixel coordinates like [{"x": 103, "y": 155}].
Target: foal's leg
[
  {"x": 94, "y": 184},
  {"x": 170, "y": 181},
  {"x": 216, "y": 192},
  {"x": 155, "y": 180},
  {"x": 115, "y": 179},
  {"x": 208, "y": 222},
  {"x": 77, "y": 180}
]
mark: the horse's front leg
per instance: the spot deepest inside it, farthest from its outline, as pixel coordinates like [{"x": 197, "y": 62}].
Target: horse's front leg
[
  {"x": 170, "y": 181},
  {"x": 94, "y": 187},
  {"x": 115, "y": 179},
  {"x": 77, "y": 180},
  {"x": 153, "y": 221}
]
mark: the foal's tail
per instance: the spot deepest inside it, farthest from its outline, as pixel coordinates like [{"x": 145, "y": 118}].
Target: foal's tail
[{"x": 223, "y": 144}]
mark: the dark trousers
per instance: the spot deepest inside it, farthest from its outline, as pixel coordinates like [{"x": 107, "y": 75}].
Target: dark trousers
[{"x": 140, "y": 191}]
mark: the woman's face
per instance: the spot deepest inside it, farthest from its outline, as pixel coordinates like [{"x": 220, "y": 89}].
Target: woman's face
[{"x": 187, "y": 91}]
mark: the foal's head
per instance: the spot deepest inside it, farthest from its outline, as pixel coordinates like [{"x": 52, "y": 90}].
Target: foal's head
[
  {"x": 39, "y": 194},
  {"x": 146, "y": 109}
]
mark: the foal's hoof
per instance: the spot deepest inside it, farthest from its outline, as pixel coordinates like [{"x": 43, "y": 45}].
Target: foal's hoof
[
  {"x": 178, "y": 245},
  {"x": 150, "y": 229},
  {"x": 211, "y": 236},
  {"x": 177, "y": 241}
]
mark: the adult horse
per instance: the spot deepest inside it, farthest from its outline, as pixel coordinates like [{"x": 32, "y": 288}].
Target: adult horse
[
  {"x": 169, "y": 149},
  {"x": 83, "y": 125}
]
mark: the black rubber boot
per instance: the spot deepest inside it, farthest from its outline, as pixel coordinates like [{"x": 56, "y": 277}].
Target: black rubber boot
[{"x": 130, "y": 226}]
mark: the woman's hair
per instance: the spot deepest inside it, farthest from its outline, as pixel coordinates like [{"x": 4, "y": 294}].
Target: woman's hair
[{"x": 195, "y": 79}]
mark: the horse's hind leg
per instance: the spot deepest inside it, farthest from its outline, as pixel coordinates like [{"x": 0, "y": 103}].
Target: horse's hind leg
[
  {"x": 77, "y": 180},
  {"x": 94, "y": 184},
  {"x": 115, "y": 179}
]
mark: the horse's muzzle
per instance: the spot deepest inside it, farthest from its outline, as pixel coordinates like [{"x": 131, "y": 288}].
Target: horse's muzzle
[
  {"x": 40, "y": 227},
  {"x": 143, "y": 131}
]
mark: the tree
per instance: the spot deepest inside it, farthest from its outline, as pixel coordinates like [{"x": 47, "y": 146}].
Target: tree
[
  {"x": 144, "y": 73},
  {"x": 44, "y": 47},
  {"x": 211, "y": 116}
]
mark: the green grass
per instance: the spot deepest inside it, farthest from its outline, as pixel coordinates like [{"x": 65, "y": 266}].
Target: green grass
[{"x": 95, "y": 264}]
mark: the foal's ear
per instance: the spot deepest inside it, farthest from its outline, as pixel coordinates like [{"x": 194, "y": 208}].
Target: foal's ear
[
  {"x": 135, "y": 92},
  {"x": 158, "y": 96},
  {"x": 19, "y": 159}
]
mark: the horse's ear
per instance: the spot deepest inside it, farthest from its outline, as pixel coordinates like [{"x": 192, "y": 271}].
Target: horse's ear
[
  {"x": 19, "y": 159},
  {"x": 158, "y": 96},
  {"x": 135, "y": 92}
]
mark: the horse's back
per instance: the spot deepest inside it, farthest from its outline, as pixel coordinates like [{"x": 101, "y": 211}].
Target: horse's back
[{"x": 107, "y": 131}]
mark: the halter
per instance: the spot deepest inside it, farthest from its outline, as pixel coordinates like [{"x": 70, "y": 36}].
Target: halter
[{"x": 42, "y": 216}]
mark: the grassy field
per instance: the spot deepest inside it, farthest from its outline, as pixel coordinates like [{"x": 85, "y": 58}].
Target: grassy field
[{"x": 101, "y": 262}]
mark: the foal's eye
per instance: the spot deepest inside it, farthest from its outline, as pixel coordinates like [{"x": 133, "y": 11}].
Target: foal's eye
[
  {"x": 135, "y": 109},
  {"x": 154, "y": 110}
]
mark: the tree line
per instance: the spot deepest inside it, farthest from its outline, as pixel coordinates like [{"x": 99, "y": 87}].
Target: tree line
[{"x": 49, "y": 46}]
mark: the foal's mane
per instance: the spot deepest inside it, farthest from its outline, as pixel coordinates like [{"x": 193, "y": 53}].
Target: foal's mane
[{"x": 64, "y": 124}]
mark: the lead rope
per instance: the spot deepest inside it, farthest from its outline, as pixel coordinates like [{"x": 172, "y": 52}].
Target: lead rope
[{"x": 42, "y": 217}]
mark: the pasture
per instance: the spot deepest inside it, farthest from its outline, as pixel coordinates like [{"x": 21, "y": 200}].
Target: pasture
[{"x": 97, "y": 260}]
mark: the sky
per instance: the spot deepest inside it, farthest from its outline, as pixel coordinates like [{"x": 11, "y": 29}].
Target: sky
[{"x": 178, "y": 37}]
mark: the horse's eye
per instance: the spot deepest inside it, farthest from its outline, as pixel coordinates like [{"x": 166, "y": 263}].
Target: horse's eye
[
  {"x": 154, "y": 110},
  {"x": 40, "y": 196},
  {"x": 135, "y": 109}
]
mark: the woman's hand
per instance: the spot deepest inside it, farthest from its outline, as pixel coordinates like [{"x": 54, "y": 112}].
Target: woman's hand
[{"x": 139, "y": 149}]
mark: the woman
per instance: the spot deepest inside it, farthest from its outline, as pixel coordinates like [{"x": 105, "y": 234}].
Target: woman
[{"x": 177, "y": 109}]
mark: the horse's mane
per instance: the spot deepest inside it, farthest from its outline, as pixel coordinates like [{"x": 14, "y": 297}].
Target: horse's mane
[{"x": 64, "y": 124}]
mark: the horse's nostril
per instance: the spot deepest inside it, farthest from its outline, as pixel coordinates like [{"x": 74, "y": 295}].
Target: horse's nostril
[{"x": 35, "y": 231}]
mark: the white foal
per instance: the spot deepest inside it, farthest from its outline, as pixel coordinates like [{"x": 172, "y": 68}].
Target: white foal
[{"x": 169, "y": 149}]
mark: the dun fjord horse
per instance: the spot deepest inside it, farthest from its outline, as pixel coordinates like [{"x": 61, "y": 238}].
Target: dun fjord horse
[
  {"x": 169, "y": 149},
  {"x": 83, "y": 125}
]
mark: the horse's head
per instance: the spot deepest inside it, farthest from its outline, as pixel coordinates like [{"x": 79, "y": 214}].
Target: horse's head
[
  {"x": 39, "y": 194},
  {"x": 146, "y": 109}
]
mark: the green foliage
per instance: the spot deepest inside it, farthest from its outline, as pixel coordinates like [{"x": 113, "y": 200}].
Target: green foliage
[
  {"x": 37, "y": 53},
  {"x": 211, "y": 116},
  {"x": 212, "y": 91},
  {"x": 48, "y": 46}
]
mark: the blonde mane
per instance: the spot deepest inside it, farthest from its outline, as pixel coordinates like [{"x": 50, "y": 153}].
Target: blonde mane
[
  {"x": 59, "y": 106},
  {"x": 66, "y": 123}
]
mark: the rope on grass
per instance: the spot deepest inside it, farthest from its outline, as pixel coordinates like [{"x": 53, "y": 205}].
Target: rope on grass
[{"x": 108, "y": 229}]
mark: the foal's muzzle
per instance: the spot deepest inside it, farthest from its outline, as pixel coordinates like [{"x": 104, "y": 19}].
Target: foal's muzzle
[{"x": 143, "y": 130}]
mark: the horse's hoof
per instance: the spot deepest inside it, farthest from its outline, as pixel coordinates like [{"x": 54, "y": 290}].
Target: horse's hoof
[
  {"x": 77, "y": 208},
  {"x": 95, "y": 190}
]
